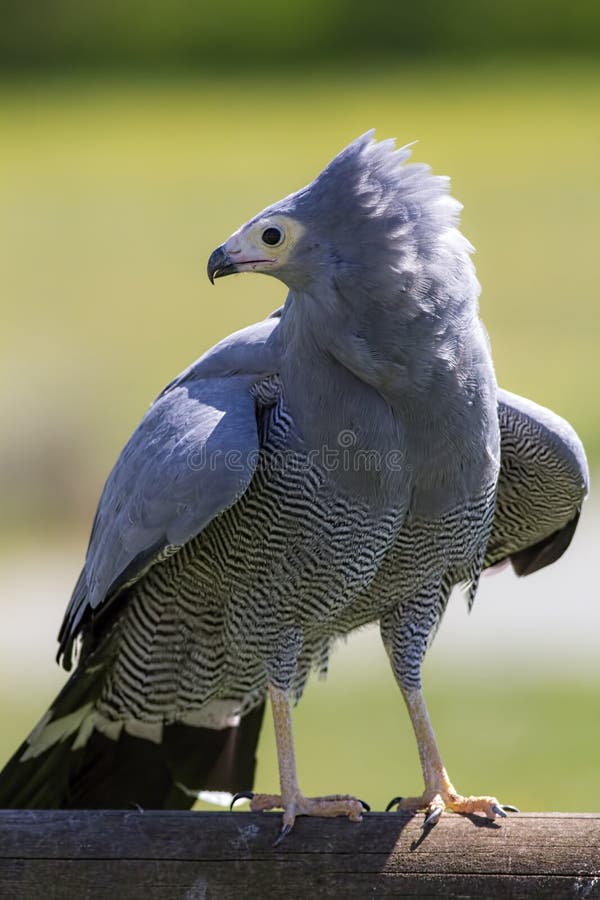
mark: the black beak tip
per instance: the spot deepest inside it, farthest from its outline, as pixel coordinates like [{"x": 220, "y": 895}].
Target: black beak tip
[{"x": 219, "y": 264}]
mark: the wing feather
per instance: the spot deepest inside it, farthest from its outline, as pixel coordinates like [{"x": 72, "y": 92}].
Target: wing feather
[
  {"x": 192, "y": 456},
  {"x": 542, "y": 484}
]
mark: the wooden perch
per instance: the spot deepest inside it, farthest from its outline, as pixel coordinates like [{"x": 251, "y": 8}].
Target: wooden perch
[{"x": 88, "y": 855}]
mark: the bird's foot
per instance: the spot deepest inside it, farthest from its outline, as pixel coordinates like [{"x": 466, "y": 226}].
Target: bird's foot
[
  {"x": 435, "y": 802},
  {"x": 299, "y": 805}
]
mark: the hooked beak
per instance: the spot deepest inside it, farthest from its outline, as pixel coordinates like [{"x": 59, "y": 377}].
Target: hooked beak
[{"x": 220, "y": 264}]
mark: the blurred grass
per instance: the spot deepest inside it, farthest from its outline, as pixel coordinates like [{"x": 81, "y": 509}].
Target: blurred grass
[
  {"x": 112, "y": 195},
  {"x": 151, "y": 35}
]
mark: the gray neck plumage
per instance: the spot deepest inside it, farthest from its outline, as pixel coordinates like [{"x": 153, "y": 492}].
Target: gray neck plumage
[{"x": 401, "y": 391}]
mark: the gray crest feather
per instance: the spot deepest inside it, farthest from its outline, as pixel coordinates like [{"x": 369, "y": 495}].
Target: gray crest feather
[
  {"x": 369, "y": 198},
  {"x": 390, "y": 227}
]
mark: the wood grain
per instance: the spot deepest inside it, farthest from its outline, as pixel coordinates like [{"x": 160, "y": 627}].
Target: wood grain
[{"x": 200, "y": 856}]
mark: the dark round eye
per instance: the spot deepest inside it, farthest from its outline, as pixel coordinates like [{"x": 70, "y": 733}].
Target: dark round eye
[{"x": 272, "y": 236}]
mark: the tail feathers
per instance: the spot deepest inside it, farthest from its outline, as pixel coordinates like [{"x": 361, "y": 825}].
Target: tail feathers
[
  {"x": 67, "y": 764},
  {"x": 133, "y": 771},
  {"x": 36, "y": 783},
  {"x": 37, "y": 775}
]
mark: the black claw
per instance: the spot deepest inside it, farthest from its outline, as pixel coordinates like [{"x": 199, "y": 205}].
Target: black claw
[
  {"x": 393, "y": 802},
  {"x": 432, "y": 818},
  {"x": 242, "y": 795},
  {"x": 284, "y": 833},
  {"x": 510, "y": 808},
  {"x": 365, "y": 806},
  {"x": 498, "y": 810}
]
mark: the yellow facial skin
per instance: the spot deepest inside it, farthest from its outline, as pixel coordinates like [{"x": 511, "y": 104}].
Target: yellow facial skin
[{"x": 253, "y": 249}]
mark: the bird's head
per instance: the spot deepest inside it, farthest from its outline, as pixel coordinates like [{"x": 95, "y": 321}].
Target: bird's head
[
  {"x": 366, "y": 221},
  {"x": 270, "y": 243}
]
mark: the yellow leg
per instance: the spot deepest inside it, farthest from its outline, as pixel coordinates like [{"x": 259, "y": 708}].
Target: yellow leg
[
  {"x": 291, "y": 800},
  {"x": 439, "y": 793}
]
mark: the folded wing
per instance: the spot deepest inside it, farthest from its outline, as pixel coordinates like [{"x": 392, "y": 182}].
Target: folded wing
[
  {"x": 192, "y": 455},
  {"x": 542, "y": 484}
]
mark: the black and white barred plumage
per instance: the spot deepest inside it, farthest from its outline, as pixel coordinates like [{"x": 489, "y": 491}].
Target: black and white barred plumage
[{"x": 293, "y": 564}]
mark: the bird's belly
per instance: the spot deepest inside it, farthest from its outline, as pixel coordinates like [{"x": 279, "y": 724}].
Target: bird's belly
[
  {"x": 262, "y": 592},
  {"x": 257, "y": 596}
]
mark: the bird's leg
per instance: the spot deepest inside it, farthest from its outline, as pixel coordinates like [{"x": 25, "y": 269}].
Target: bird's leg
[
  {"x": 439, "y": 793},
  {"x": 291, "y": 800},
  {"x": 405, "y": 634}
]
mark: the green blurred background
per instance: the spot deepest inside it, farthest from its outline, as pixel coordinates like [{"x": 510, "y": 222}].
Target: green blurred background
[{"x": 134, "y": 137}]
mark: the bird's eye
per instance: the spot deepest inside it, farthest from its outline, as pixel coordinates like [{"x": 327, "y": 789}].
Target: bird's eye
[{"x": 272, "y": 236}]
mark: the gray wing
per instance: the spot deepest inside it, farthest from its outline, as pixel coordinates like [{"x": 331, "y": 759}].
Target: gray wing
[
  {"x": 542, "y": 484},
  {"x": 192, "y": 455}
]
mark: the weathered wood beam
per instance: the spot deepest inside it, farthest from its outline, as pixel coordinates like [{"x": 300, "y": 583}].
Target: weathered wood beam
[{"x": 88, "y": 855}]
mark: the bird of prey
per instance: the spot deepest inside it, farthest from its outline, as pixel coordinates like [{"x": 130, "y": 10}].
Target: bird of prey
[{"x": 348, "y": 460}]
